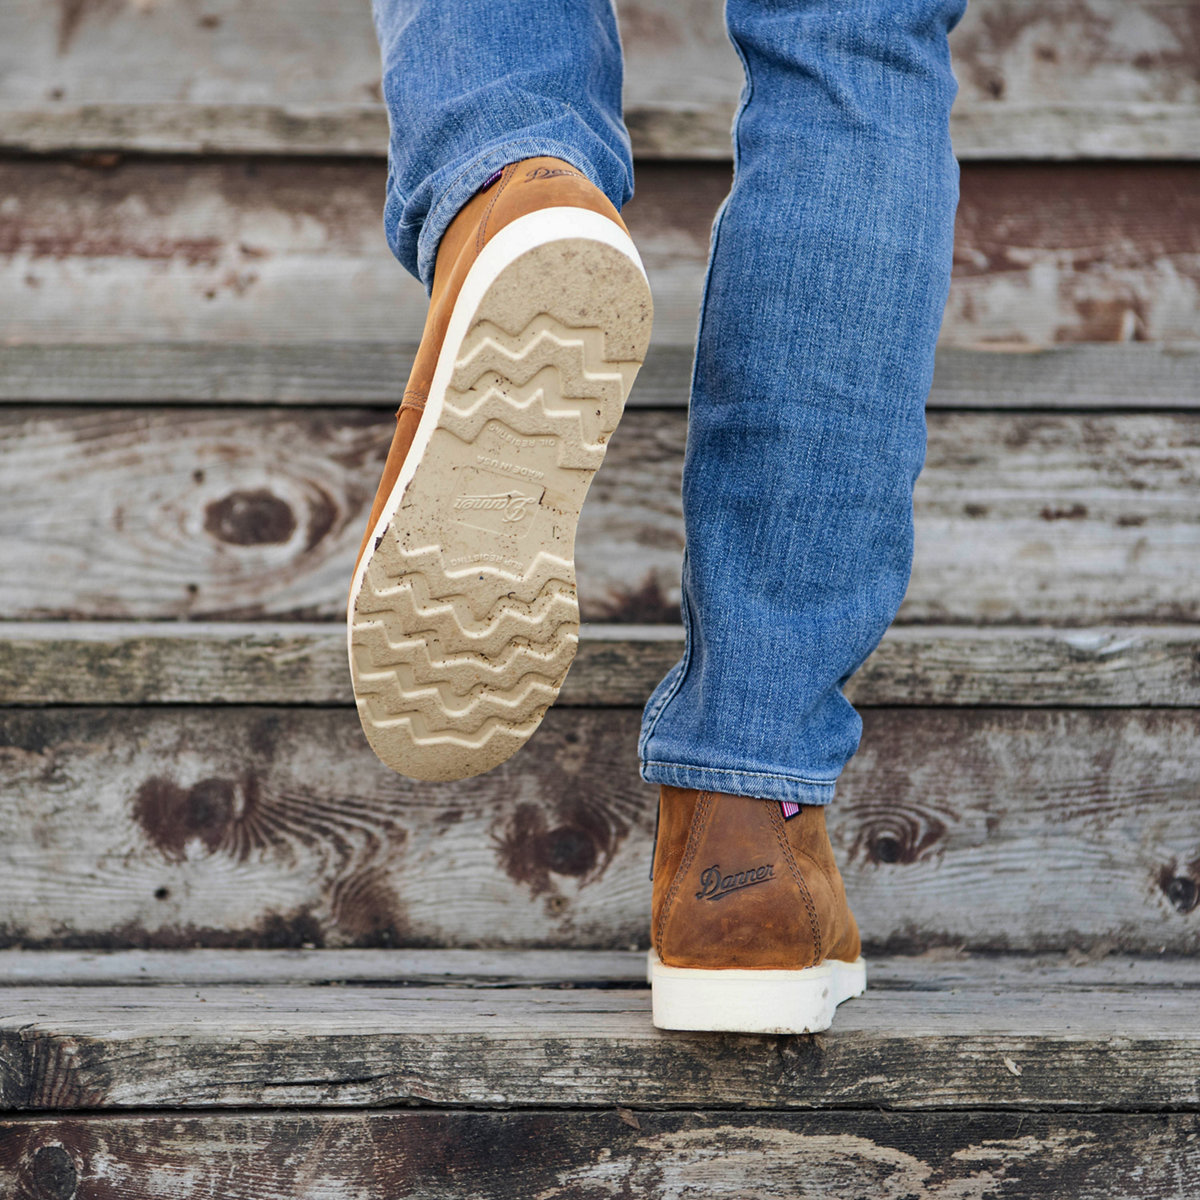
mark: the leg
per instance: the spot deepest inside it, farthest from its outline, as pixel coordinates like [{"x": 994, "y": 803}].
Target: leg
[
  {"x": 826, "y": 285},
  {"x": 471, "y": 86},
  {"x": 828, "y": 275},
  {"x": 507, "y": 160}
]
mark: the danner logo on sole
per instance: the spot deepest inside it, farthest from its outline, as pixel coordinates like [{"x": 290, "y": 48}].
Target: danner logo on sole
[
  {"x": 512, "y": 505},
  {"x": 715, "y": 886}
]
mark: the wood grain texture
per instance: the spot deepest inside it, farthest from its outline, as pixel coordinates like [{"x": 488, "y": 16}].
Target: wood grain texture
[
  {"x": 405, "y": 967},
  {"x": 223, "y": 514},
  {"x": 193, "y": 1047},
  {"x": 1123, "y": 375},
  {"x": 643, "y": 1155},
  {"x": 1098, "y": 78},
  {"x": 1038, "y": 132},
  {"x": 259, "y": 251},
  {"x": 116, "y": 662},
  {"x": 1002, "y": 829},
  {"x": 942, "y": 969}
]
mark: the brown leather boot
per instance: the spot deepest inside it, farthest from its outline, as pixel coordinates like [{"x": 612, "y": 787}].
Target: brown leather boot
[
  {"x": 462, "y": 613},
  {"x": 750, "y": 927}
]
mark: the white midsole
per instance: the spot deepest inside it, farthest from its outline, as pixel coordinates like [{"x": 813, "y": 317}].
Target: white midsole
[
  {"x": 523, "y": 234},
  {"x": 752, "y": 1001}
]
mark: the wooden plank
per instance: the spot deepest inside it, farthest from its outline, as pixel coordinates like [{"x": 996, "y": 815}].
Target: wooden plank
[
  {"x": 1071, "y": 130},
  {"x": 115, "y": 662},
  {"x": 1002, "y": 829},
  {"x": 938, "y": 970},
  {"x": 396, "y": 966},
  {"x": 1099, "y": 78},
  {"x": 267, "y": 251},
  {"x": 186, "y": 128},
  {"x": 770, "y": 1156},
  {"x": 1012, "y": 286},
  {"x": 305, "y": 663},
  {"x": 233, "y": 515},
  {"x": 980, "y": 131},
  {"x": 1060, "y": 524},
  {"x": 1123, "y": 375},
  {"x": 287, "y": 1047}
]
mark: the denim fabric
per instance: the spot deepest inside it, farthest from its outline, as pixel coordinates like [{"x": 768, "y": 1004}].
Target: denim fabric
[
  {"x": 471, "y": 85},
  {"x": 827, "y": 280}
]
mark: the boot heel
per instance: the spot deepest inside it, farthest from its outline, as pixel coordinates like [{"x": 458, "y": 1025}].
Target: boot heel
[{"x": 752, "y": 1001}]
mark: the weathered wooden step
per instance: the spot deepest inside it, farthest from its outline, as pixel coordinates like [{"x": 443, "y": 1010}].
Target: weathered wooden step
[
  {"x": 228, "y": 513},
  {"x": 252, "y": 826},
  {"x": 304, "y": 663},
  {"x": 1122, "y": 375},
  {"x": 269, "y": 251},
  {"x": 993, "y": 1033},
  {"x": 964, "y": 1052},
  {"x": 587, "y": 1155},
  {"x": 1099, "y": 78},
  {"x": 999, "y": 828}
]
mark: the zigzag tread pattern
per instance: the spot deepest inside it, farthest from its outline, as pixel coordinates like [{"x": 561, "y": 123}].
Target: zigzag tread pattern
[
  {"x": 426, "y": 658},
  {"x": 422, "y": 737},
  {"x": 549, "y": 379},
  {"x": 418, "y": 579}
]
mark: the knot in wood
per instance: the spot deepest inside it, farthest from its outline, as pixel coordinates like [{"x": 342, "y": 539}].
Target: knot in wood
[
  {"x": 250, "y": 518},
  {"x": 54, "y": 1175}
]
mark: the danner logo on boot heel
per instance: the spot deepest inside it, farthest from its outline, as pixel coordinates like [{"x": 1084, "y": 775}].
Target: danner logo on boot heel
[{"x": 715, "y": 886}]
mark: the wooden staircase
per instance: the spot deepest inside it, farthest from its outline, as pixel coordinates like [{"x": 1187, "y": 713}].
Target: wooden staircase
[
  {"x": 240, "y": 960},
  {"x": 514, "y": 1073}
]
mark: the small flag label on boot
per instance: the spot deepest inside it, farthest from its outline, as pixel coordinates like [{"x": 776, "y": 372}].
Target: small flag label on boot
[{"x": 789, "y": 808}]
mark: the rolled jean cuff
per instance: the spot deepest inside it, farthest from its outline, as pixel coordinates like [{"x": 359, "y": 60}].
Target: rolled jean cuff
[
  {"x": 763, "y": 785},
  {"x": 406, "y": 241}
]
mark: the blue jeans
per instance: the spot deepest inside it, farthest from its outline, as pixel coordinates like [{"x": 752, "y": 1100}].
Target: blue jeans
[{"x": 827, "y": 279}]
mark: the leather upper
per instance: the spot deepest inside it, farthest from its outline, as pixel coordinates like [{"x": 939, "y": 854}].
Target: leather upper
[
  {"x": 737, "y": 885},
  {"x": 523, "y": 187}
]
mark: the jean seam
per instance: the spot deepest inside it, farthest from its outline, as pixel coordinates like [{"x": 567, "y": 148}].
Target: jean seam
[
  {"x": 677, "y": 766},
  {"x": 746, "y": 96},
  {"x": 684, "y": 666},
  {"x": 686, "y": 661}
]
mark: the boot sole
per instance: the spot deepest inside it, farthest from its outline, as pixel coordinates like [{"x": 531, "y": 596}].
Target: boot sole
[
  {"x": 737, "y": 1001},
  {"x": 463, "y": 618}
]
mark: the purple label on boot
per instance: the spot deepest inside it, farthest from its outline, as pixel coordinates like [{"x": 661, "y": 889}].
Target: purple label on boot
[{"x": 487, "y": 183}]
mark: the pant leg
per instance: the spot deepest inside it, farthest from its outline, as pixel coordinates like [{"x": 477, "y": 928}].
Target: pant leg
[
  {"x": 826, "y": 285},
  {"x": 471, "y": 85}
]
